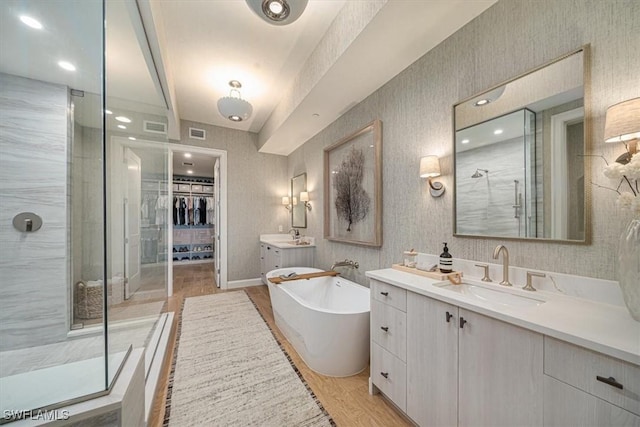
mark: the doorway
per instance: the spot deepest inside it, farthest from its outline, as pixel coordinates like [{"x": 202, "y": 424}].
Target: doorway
[{"x": 198, "y": 232}]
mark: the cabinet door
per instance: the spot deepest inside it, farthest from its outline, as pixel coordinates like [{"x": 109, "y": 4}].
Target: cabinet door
[
  {"x": 263, "y": 263},
  {"x": 432, "y": 361},
  {"x": 500, "y": 373},
  {"x": 566, "y": 406}
]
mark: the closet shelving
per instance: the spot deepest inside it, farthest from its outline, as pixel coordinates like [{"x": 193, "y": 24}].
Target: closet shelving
[
  {"x": 192, "y": 242},
  {"x": 154, "y": 221}
]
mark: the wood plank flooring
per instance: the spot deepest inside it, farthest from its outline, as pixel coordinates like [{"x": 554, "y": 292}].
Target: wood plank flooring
[{"x": 346, "y": 399}]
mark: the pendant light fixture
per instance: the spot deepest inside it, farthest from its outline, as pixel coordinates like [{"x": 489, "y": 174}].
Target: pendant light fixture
[
  {"x": 233, "y": 107},
  {"x": 278, "y": 12}
]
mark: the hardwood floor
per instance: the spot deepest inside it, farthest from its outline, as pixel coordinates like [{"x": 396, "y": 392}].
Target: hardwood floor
[{"x": 346, "y": 399}]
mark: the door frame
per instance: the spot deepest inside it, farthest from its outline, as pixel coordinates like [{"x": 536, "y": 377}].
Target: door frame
[
  {"x": 222, "y": 246},
  {"x": 172, "y": 148}
]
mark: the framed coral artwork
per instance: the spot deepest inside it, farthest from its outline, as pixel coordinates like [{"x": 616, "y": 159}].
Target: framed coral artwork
[{"x": 353, "y": 188}]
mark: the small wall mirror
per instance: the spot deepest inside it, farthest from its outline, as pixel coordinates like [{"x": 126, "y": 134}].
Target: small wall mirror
[
  {"x": 519, "y": 156},
  {"x": 298, "y": 209}
]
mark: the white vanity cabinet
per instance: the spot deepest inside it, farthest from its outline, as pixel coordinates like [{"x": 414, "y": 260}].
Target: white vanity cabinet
[
  {"x": 274, "y": 256},
  {"x": 585, "y": 388},
  {"x": 468, "y": 369}
]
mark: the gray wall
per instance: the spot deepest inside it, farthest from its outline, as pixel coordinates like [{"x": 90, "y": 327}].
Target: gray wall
[
  {"x": 33, "y": 178},
  {"x": 255, "y": 185},
  {"x": 513, "y": 36}
]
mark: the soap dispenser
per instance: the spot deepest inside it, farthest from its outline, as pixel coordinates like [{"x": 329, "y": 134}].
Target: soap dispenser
[{"x": 446, "y": 260}]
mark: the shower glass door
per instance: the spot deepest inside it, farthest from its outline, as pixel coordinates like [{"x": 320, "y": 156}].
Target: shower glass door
[{"x": 51, "y": 204}]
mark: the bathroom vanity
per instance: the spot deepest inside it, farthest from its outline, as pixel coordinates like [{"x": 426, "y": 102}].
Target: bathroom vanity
[
  {"x": 489, "y": 356},
  {"x": 281, "y": 250}
]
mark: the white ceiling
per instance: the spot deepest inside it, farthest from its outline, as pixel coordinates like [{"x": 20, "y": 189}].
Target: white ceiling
[
  {"x": 210, "y": 43},
  {"x": 201, "y": 164}
]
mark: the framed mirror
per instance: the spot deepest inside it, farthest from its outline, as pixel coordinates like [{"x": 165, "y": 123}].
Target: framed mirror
[
  {"x": 298, "y": 209},
  {"x": 519, "y": 165}
]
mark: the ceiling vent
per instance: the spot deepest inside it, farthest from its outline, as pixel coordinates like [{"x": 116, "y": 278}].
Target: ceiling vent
[
  {"x": 187, "y": 164},
  {"x": 155, "y": 127},
  {"x": 195, "y": 133}
]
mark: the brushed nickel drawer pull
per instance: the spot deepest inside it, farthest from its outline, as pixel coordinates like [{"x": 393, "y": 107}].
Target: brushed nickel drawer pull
[
  {"x": 385, "y": 328},
  {"x": 384, "y": 294},
  {"x": 385, "y": 374},
  {"x": 611, "y": 381}
]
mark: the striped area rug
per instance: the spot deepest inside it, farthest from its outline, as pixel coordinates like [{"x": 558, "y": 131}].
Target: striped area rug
[{"x": 229, "y": 370}]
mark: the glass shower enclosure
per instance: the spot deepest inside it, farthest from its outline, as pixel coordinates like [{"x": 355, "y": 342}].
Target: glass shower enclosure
[{"x": 82, "y": 173}]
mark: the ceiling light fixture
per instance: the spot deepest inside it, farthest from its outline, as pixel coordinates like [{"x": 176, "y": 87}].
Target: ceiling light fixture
[
  {"x": 31, "y": 22},
  {"x": 108, "y": 111},
  {"x": 497, "y": 131},
  {"x": 278, "y": 12},
  {"x": 190, "y": 172},
  {"x": 482, "y": 102},
  {"x": 122, "y": 126},
  {"x": 66, "y": 65},
  {"x": 187, "y": 155},
  {"x": 123, "y": 119},
  {"x": 233, "y": 107},
  {"x": 132, "y": 138},
  {"x": 465, "y": 141}
]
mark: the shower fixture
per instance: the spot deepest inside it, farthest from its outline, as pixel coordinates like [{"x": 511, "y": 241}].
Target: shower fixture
[{"x": 477, "y": 173}]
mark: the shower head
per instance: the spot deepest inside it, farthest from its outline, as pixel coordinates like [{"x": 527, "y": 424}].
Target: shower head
[{"x": 477, "y": 173}]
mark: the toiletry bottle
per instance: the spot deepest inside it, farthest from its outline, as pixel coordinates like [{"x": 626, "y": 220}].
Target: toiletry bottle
[{"x": 446, "y": 260}]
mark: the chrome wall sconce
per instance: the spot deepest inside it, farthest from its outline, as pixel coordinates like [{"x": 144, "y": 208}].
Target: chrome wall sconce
[
  {"x": 430, "y": 168},
  {"x": 304, "y": 198}
]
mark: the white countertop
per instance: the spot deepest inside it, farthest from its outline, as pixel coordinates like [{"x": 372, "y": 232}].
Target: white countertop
[
  {"x": 285, "y": 241},
  {"x": 604, "y": 328}
]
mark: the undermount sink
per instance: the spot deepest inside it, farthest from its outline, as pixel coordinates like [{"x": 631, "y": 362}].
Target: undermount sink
[{"x": 495, "y": 297}]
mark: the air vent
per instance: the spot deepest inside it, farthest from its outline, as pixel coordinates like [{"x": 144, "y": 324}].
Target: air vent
[
  {"x": 196, "y": 133},
  {"x": 77, "y": 92},
  {"x": 187, "y": 164},
  {"x": 155, "y": 127}
]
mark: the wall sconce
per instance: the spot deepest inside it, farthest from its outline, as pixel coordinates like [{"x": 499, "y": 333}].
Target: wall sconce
[
  {"x": 430, "y": 168},
  {"x": 622, "y": 124},
  {"x": 286, "y": 203},
  {"x": 304, "y": 198}
]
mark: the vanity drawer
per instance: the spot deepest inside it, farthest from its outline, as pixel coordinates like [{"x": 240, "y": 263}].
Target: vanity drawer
[
  {"x": 389, "y": 374},
  {"x": 581, "y": 368},
  {"x": 389, "y": 294},
  {"x": 389, "y": 329}
]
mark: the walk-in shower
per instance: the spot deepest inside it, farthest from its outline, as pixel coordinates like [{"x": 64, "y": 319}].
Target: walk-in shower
[{"x": 70, "y": 313}]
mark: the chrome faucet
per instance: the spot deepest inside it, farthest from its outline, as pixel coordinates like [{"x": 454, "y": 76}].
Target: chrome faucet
[
  {"x": 345, "y": 263},
  {"x": 505, "y": 263},
  {"x": 296, "y": 233}
]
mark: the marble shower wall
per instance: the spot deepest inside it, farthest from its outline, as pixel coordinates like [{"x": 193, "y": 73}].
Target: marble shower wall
[
  {"x": 34, "y": 272},
  {"x": 415, "y": 107}
]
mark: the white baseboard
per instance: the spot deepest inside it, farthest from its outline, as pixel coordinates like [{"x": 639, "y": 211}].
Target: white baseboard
[{"x": 235, "y": 284}]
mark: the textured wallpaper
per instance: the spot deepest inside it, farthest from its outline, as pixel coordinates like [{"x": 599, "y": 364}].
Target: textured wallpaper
[{"x": 415, "y": 107}]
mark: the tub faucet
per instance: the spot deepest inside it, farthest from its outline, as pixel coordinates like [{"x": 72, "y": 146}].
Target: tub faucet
[
  {"x": 345, "y": 263},
  {"x": 505, "y": 263},
  {"x": 296, "y": 233}
]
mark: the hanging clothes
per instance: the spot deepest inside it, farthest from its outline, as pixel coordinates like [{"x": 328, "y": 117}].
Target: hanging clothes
[
  {"x": 175, "y": 210},
  {"x": 210, "y": 205}
]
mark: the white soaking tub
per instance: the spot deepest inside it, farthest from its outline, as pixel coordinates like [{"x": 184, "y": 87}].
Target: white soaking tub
[{"x": 326, "y": 319}]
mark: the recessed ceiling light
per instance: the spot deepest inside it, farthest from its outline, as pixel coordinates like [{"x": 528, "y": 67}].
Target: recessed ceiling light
[
  {"x": 187, "y": 155},
  {"x": 108, "y": 112},
  {"x": 497, "y": 131},
  {"x": 465, "y": 141},
  {"x": 235, "y": 118},
  {"x": 122, "y": 126},
  {"x": 132, "y": 138},
  {"x": 190, "y": 172},
  {"x": 31, "y": 22},
  {"x": 66, "y": 65},
  {"x": 123, "y": 119},
  {"x": 276, "y": 7},
  {"x": 482, "y": 102}
]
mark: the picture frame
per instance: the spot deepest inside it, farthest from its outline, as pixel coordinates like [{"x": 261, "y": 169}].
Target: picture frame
[{"x": 353, "y": 188}]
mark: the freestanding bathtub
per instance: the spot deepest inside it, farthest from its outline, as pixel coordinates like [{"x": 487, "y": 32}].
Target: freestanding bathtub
[{"x": 326, "y": 319}]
